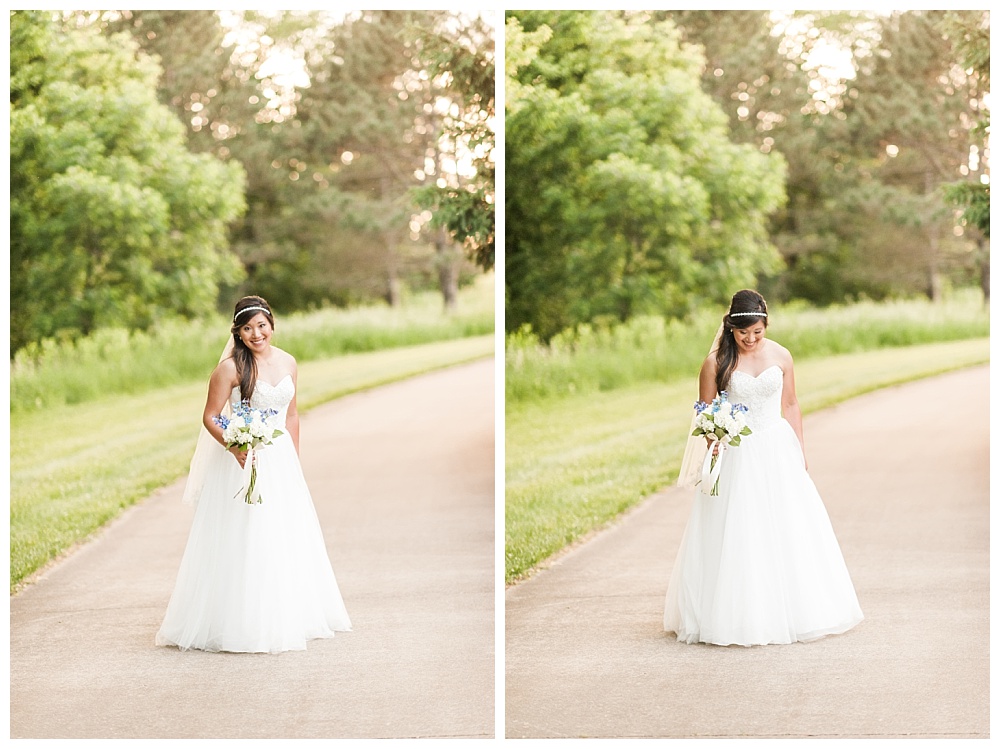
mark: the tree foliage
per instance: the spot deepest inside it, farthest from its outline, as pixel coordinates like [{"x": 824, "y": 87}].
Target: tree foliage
[
  {"x": 113, "y": 219},
  {"x": 969, "y": 34},
  {"x": 912, "y": 122},
  {"x": 867, "y": 156},
  {"x": 625, "y": 194},
  {"x": 332, "y": 164},
  {"x": 460, "y": 61}
]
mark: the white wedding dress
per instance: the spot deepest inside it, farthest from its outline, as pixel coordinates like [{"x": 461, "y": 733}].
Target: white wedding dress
[
  {"x": 255, "y": 578},
  {"x": 759, "y": 563}
]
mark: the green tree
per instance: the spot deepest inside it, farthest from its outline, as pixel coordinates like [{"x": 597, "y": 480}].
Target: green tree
[
  {"x": 113, "y": 220},
  {"x": 198, "y": 80},
  {"x": 624, "y": 193},
  {"x": 317, "y": 230},
  {"x": 848, "y": 230},
  {"x": 779, "y": 103},
  {"x": 911, "y": 123},
  {"x": 460, "y": 61},
  {"x": 362, "y": 123},
  {"x": 217, "y": 81},
  {"x": 969, "y": 34},
  {"x": 520, "y": 49}
]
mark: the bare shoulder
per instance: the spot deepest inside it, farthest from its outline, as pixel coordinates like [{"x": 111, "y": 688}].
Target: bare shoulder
[
  {"x": 226, "y": 368},
  {"x": 225, "y": 372},
  {"x": 780, "y": 354},
  {"x": 710, "y": 365},
  {"x": 287, "y": 360}
]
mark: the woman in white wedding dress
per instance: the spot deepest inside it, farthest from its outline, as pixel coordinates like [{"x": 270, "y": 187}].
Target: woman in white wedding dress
[
  {"x": 255, "y": 578},
  {"x": 759, "y": 563}
]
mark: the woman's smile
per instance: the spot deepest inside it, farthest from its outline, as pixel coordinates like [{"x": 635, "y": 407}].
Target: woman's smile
[
  {"x": 256, "y": 334},
  {"x": 748, "y": 338}
]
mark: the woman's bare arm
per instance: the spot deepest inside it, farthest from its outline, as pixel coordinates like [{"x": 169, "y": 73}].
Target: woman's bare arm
[
  {"x": 220, "y": 387},
  {"x": 292, "y": 414},
  {"x": 790, "y": 402}
]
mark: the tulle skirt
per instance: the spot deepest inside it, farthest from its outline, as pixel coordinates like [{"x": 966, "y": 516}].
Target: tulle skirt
[
  {"x": 254, "y": 578},
  {"x": 760, "y": 564}
]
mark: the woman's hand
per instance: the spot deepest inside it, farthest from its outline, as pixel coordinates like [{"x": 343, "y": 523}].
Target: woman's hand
[
  {"x": 713, "y": 445},
  {"x": 239, "y": 453}
]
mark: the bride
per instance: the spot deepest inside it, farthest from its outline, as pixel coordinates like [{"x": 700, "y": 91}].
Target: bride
[
  {"x": 255, "y": 578},
  {"x": 759, "y": 563}
]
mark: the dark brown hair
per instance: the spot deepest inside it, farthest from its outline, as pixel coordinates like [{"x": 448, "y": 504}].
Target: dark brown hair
[
  {"x": 246, "y": 365},
  {"x": 745, "y": 301}
]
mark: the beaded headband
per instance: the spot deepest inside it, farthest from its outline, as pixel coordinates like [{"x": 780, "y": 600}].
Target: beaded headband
[
  {"x": 747, "y": 314},
  {"x": 248, "y": 309}
]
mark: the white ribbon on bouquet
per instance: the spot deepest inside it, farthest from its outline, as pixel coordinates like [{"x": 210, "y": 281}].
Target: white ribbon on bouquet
[
  {"x": 247, "y": 475},
  {"x": 709, "y": 473}
]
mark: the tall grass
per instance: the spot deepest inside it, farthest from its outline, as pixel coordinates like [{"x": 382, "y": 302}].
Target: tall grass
[
  {"x": 119, "y": 362},
  {"x": 649, "y": 349}
]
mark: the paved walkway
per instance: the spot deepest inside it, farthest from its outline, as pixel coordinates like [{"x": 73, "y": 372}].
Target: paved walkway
[
  {"x": 904, "y": 474},
  {"x": 403, "y": 481}
]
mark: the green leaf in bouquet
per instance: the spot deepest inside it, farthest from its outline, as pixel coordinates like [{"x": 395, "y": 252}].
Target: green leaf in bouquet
[
  {"x": 735, "y": 441},
  {"x": 745, "y": 431}
]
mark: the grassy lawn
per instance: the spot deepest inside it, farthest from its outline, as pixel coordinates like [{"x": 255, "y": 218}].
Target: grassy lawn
[
  {"x": 74, "y": 468},
  {"x": 574, "y": 463}
]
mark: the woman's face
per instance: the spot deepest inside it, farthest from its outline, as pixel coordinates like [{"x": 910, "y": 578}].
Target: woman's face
[
  {"x": 256, "y": 333},
  {"x": 749, "y": 339}
]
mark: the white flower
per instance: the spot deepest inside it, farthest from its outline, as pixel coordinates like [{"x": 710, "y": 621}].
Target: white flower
[{"x": 725, "y": 421}]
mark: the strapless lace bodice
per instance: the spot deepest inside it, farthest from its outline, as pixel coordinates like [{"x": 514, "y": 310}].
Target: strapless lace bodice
[
  {"x": 266, "y": 395},
  {"x": 761, "y": 394}
]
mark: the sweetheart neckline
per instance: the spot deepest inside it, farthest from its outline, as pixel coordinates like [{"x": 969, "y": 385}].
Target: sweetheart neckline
[
  {"x": 273, "y": 387},
  {"x": 758, "y": 376}
]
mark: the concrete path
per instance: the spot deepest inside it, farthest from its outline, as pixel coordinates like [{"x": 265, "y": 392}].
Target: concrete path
[
  {"x": 904, "y": 474},
  {"x": 403, "y": 481}
]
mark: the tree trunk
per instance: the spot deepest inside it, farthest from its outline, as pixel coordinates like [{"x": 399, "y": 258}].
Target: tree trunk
[
  {"x": 626, "y": 302},
  {"x": 933, "y": 230},
  {"x": 393, "y": 293},
  {"x": 447, "y": 264},
  {"x": 933, "y": 282},
  {"x": 447, "y": 256},
  {"x": 393, "y": 286}
]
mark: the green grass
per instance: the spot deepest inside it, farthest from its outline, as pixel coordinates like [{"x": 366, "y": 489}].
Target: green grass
[
  {"x": 75, "y": 467},
  {"x": 574, "y": 463},
  {"x": 118, "y": 362},
  {"x": 593, "y": 360}
]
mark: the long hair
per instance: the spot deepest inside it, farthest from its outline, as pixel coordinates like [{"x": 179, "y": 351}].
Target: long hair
[
  {"x": 246, "y": 365},
  {"x": 745, "y": 301}
]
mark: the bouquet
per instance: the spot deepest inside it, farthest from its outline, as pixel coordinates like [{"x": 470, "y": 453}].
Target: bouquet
[
  {"x": 248, "y": 429},
  {"x": 725, "y": 422}
]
